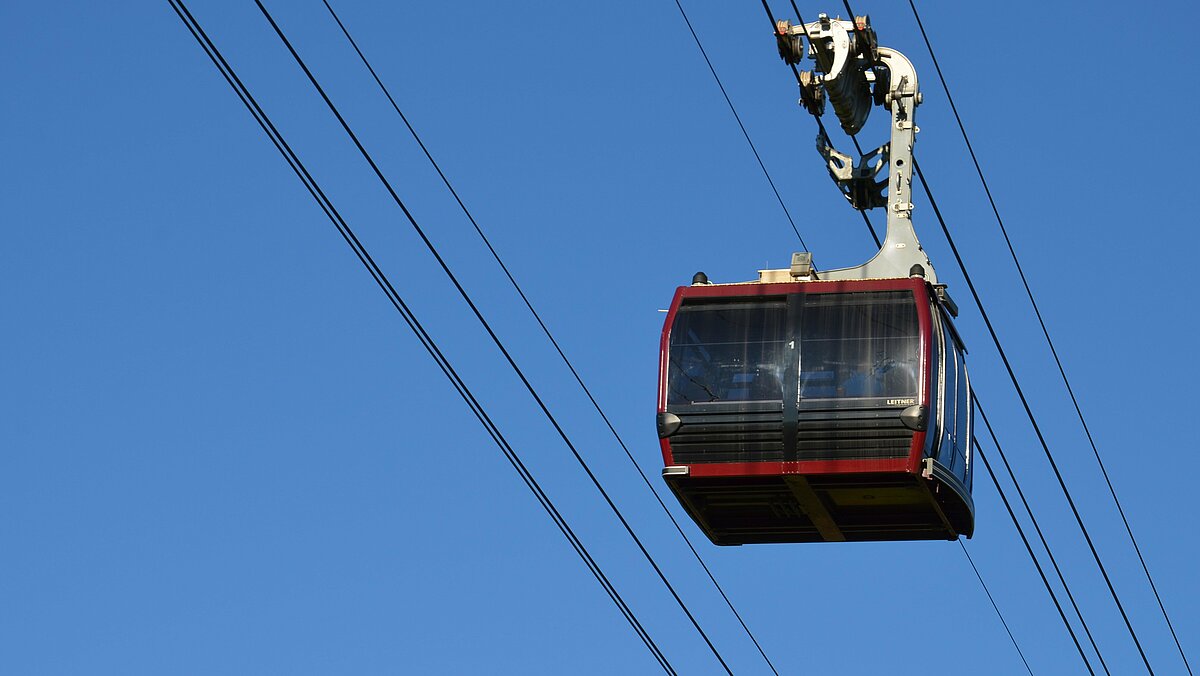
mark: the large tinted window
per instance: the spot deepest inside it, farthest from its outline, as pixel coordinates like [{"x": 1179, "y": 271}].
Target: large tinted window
[
  {"x": 964, "y": 412},
  {"x": 859, "y": 345},
  {"x": 950, "y": 454},
  {"x": 727, "y": 352},
  {"x": 956, "y": 409},
  {"x": 937, "y": 371}
]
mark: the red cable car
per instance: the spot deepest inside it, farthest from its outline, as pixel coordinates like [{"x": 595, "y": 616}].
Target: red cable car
[
  {"x": 826, "y": 406},
  {"x": 873, "y": 443}
]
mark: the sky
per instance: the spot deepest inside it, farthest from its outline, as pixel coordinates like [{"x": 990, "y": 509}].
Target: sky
[{"x": 222, "y": 450}]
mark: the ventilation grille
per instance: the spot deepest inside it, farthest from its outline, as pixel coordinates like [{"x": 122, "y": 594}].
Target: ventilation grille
[
  {"x": 841, "y": 434},
  {"x": 728, "y": 437},
  {"x": 822, "y": 434}
]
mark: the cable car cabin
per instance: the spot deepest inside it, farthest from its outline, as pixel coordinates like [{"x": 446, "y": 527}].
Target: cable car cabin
[
  {"x": 802, "y": 411},
  {"x": 805, "y": 407}
]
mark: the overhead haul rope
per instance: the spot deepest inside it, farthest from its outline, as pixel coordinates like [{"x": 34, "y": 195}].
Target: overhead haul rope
[
  {"x": 1045, "y": 332},
  {"x": 995, "y": 607},
  {"x": 737, "y": 117},
  {"x": 817, "y": 118},
  {"x": 1021, "y": 394},
  {"x": 878, "y": 243},
  {"x": 1029, "y": 549},
  {"x": 545, "y": 329},
  {"x": 1032, "y": 420},
  {"x": 1037, "y": 527},
  {"x": 876, "y": 238},
  {"x": 491, "y": 333},
  {"x": 413, "y": 323}
]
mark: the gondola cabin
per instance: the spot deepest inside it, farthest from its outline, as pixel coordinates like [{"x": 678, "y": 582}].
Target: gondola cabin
[
  {"x": 802, "y": 411},
  {"x": 834, "y": 405}
]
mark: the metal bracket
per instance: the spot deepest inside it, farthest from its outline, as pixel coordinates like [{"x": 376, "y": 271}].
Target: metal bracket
[
  {"x": 944, "y": 298},
  {"x": 846, "y": 54},
  {"x": 859, "y": 182},
  {"x": 855, "y": 72},
  {"x": 833, "y": 45},
  {"x": 814, "y": 508},
  {"x": 791, "y": 45},
  {"x": 812, "y": 96}
]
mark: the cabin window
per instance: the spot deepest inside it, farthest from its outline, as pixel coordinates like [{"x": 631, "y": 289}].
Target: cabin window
[
  {"x": 860, "y": 345},
  {"x": 963, "y": 425},
  {"x": 957, "y": 411},
  {"x": 727, "y": 353}
]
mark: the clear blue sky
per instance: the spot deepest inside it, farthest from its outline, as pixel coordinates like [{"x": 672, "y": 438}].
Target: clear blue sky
[{"x": 223, "y": 452}]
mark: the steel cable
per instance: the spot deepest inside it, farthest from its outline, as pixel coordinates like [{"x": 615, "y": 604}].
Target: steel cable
[
  {"x": 1012, "y": 477},
  {"x": 411, "y": 320},
  {"x": 737, "y": 117},
  {"x": 1045, "y": 332},
  {"x": 546, "y": 330},
  {"x": 1029, "y": 549},
  {"x": 995, "y": 607},
  {"x": 1029, "y": 412},
  {"x": 1032, "y": 420},
  {"x": 491, "y": 333},
  {"x": 878, "y": 243}
]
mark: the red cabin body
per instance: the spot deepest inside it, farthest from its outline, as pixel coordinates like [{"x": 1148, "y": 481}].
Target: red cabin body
[{"x": 816, "y": 411}]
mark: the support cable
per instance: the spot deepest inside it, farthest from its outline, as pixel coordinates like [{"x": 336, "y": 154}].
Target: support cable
[
  {"x": 740, "y": 125},
  {"x": 1120, "y": 607},
  {"x": 545, "y": 329},
  {"x": 1037, "y": 527},
  {"x": 1045, "y": 332},
  {"x": 817, "y": 118},
  {"x": 875, "y": 237},
  {"x": 1037, "y": 564},
  {"x": 1033, "y": 421},
  {"x": 491, "y": 333},
  {"x": 413, "y": 323},
  {"x": 821, "y": 125},
  {"x": 994, "y": 606}
]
